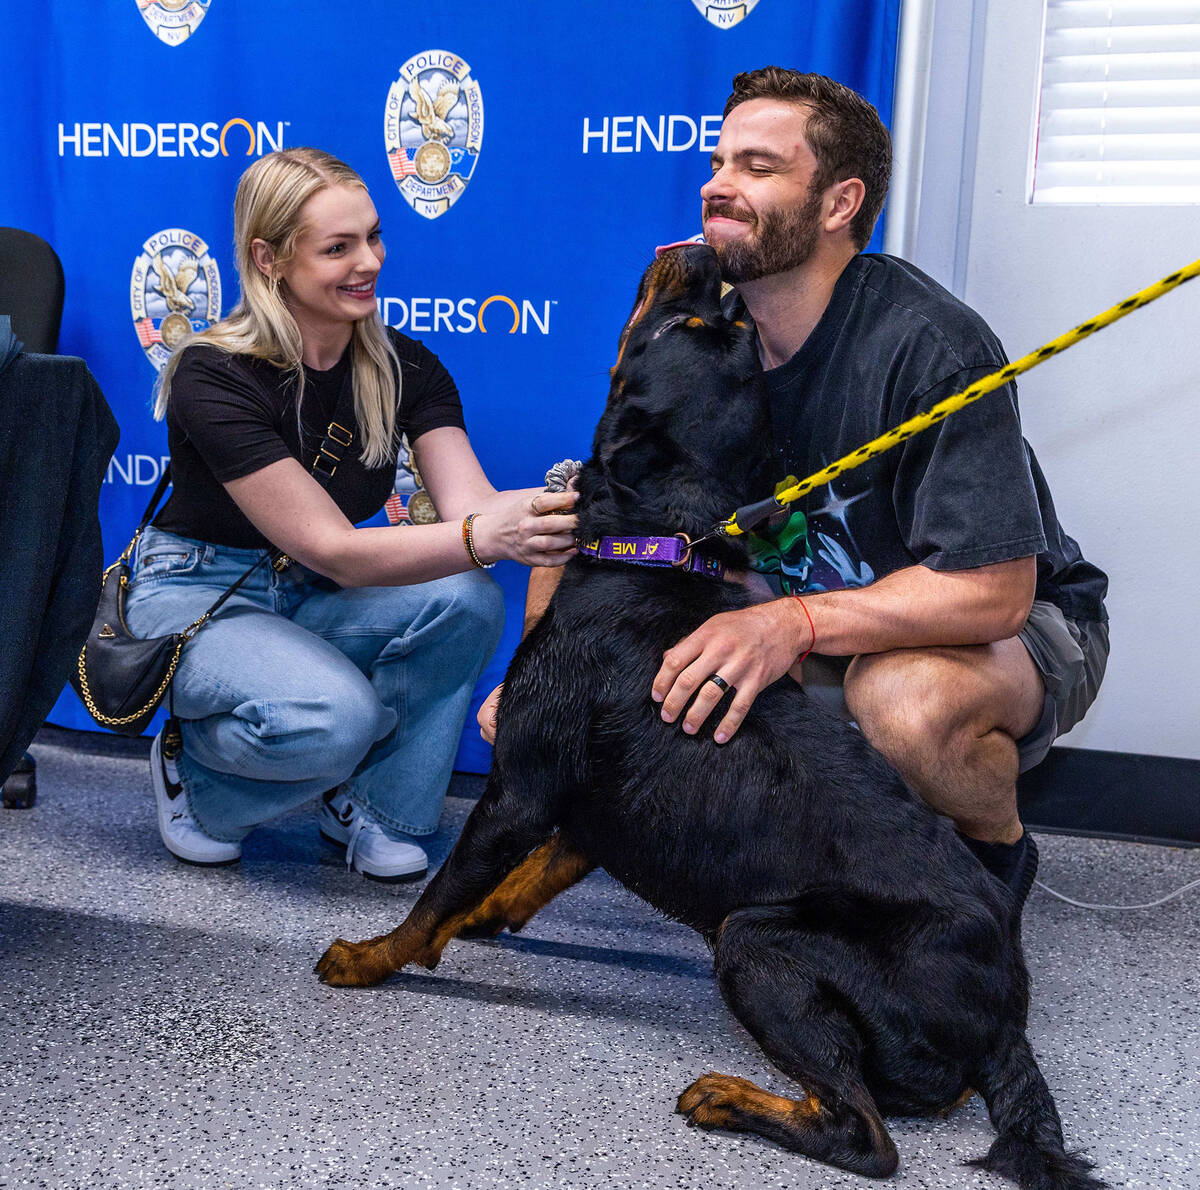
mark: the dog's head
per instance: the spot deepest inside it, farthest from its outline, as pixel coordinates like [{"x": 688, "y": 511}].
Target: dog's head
[{"x": 685, "y": 438}]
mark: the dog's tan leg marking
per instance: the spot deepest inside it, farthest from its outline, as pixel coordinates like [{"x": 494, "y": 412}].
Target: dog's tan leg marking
[
  {"x": 723, "y": 1101},
  {"x": 805, "y": 1125},
  {"x": 544, "y": 873},
  {"x": 961, "y": 1101},
  {"x": 419, "y": 939},
  {"x": 550, "y": 869},
  {"x": 362, "y": 964}
]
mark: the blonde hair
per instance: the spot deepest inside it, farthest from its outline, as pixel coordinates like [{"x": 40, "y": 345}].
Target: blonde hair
[{"x": 270, "y": 197}]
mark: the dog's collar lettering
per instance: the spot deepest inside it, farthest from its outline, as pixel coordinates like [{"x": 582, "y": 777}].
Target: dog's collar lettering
[{"x": 653, "y": 551}]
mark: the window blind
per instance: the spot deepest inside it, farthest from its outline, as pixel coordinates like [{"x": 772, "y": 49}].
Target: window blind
[{"x": 1119, "y": 112}]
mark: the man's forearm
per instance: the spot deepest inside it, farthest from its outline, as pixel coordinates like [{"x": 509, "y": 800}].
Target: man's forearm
[
  {"x": 918, "y": 607},
  {"x": 543, "y": 581}
]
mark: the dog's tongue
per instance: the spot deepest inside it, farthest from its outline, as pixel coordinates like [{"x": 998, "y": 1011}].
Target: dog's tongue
[{"x": 678, "y": 244}]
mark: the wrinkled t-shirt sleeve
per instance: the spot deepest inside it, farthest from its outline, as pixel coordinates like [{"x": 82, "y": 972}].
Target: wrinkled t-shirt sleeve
[
  {"x": 226, "y": 412},
  {"x": 963, "y": 491},
  {"x": 429, "y": 397}
]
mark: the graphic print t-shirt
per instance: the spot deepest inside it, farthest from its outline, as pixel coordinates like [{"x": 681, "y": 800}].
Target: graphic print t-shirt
[{"x": 967, "y": 492}]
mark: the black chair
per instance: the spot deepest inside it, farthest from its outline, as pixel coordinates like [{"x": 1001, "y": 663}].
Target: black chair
[{"x": 32, "y": 290}]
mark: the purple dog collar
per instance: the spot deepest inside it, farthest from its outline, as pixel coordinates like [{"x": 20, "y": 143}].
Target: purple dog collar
[{"x": 674, "y": 551}]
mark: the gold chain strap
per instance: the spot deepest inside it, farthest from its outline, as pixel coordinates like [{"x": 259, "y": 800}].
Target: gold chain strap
[
  {"x": 191, "y": 629},
  {"x": 81, "y": 664},
  {"x": 108, "y": 720}
]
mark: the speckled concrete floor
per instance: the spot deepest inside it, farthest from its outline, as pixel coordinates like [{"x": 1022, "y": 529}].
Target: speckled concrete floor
[{"x": 161, "y": 1024}]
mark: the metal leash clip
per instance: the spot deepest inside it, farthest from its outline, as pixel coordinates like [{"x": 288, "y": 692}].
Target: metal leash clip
[{"x": 687, "y": 550}]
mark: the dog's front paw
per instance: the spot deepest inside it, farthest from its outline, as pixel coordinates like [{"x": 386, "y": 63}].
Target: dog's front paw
[{"x": 356, "y": 964}]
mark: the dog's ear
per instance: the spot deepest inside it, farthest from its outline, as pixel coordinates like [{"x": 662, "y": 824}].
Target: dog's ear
[
  {"x": 629, "y": 454},
  {"x": 657, "y": 377},
  {"x": 632, "y": 447},
  {"x": 635, "y": 464},
  {"x": 604, "y": 499}
]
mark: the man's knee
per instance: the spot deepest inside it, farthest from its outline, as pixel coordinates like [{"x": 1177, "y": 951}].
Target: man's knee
[{"x": 910, "y": 700}]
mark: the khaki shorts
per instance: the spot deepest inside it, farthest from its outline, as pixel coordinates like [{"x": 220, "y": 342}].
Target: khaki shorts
[{"x": 1069, "y": 654}]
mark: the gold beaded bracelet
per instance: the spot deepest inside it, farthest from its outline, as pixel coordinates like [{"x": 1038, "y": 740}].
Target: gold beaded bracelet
[{"x": 469, "y": 543}]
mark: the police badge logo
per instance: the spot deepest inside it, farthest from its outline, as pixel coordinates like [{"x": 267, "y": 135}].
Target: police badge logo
[
  {"x": 433, "y": 128},
  {"x": 175, "y": 290},
  {"x": 725, "y": 13},
  {"x": 173, "y": 21},
  {"x": 409, "y": 503}
]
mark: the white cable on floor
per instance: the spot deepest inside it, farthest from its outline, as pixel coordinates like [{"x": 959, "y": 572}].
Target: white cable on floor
[{"x": 1149, "y": 904}]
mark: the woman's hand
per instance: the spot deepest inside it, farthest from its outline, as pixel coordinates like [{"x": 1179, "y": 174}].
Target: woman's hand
[{"x": 531, "y": 526}]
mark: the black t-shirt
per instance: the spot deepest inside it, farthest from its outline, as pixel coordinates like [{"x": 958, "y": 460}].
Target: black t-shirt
[
  {"x": 966, "y": 492},
  {"x": 231, "y": 415}
]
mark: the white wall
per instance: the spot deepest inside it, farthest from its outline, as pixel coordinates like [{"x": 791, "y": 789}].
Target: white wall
[{"x": 1115, "y": 421}]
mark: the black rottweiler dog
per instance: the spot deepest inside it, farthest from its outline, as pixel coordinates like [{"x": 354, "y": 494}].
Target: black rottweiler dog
[{"x": 854, "y": 935}]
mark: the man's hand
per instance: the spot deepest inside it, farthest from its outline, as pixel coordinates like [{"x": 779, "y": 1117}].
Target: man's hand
[
  {"x": 486, "y": 717},
  {"x": 748, "y": 649}
]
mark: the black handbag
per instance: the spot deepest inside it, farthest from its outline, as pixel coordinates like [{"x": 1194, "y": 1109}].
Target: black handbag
[
  {"x": 120, "y": 678},
  {"x": 125, "y": 676}
]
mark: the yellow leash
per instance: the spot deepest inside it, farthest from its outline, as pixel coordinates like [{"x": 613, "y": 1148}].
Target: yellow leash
[{"x": 747, "y": 517}]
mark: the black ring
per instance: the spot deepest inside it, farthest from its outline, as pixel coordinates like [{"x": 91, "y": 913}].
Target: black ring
[{"x": 718, "y": 681}]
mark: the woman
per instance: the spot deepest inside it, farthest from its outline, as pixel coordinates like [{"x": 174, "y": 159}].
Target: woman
[{"x": 347, "y": 672}]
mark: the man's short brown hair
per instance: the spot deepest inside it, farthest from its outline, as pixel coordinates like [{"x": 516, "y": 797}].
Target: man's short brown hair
[{"x": 843, "y": 130}]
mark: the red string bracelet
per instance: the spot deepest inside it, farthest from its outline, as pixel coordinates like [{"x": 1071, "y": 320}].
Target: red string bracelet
[{"x": 811, "y": 628}]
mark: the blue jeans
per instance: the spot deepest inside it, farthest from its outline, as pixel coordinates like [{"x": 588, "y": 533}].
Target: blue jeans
[{"x": 297, "y": 685}]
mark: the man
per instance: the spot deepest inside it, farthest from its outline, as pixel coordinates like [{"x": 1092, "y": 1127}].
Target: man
[{"x": 964, "y": 627}]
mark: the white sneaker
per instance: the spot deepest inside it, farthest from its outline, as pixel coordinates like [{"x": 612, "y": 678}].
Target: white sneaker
[
  {"x": 180, "y": 832},
  {"x": 371, "y": 848}
]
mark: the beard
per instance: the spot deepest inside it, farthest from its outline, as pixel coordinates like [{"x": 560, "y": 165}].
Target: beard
[{"x": 787, "y": 237}]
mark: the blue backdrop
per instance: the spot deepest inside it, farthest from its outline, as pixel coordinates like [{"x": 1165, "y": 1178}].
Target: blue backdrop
[{"x": 531, "y": 153}]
